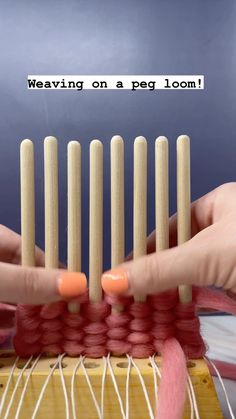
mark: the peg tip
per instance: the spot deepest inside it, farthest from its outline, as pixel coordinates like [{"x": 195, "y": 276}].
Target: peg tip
[
  {"x": 26, "y": 144},
  {"x": 161, "y": 140},
  {"x": 74, "y": 144},
  {"x": 96, "y": 143},
  {"x": 116, "y": 139},
  {"x": 183, "y": 139},
  {"x": 50, "y": 139},
  {"x": 140, "y": 140}
]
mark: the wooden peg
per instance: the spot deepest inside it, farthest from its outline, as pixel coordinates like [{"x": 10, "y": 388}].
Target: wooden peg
[
  {"x": 74, "y": 213},
  {"x": 117, "y": 201},
  {"x": 51, "y": 202},
  {"x": 140, "y": 202},
  {"x": 96, "y": 221},
  {"x": 162, "y": 193},
  {"x": 27, "y": 182},
  {"x": 74, "y": 206},
  {"x": 184, "y": 203},
  {"x": 117, "y": 205}
]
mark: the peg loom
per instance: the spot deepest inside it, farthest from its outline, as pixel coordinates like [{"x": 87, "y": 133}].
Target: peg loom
[
  {"x": 36, "y": 339},
  {"x": 53, "y": 403}
]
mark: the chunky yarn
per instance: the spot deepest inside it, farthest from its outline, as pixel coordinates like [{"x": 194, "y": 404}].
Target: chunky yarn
[{"x": 122, "y": 326}]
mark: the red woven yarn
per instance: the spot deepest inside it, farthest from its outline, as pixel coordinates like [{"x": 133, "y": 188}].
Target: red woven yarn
[
  {"x": 160, "y": 325},
  {"x": 140, "y": 329}
]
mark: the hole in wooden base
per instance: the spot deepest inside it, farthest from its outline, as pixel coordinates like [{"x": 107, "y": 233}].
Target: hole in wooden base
[
  {"x": 1, "y": 385},
  {"x": 122, "y": 365},
  {"x": 49, "y": 355},
  {"x": 57, "y": 367},
  {"x": 90, "y": 365},
  {"x": 191, "y": 364},
  {"x": 22, "y": 364}
]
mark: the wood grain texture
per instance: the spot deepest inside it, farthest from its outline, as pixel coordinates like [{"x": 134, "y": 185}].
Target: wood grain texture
[
  {"x": 27, "y": 183},
  {"x": 51, "y": 202},
  {"x": 117, "y": 205},
  {"x": 162, "y": 193},
  {"x": 95, "y": 221},
  {"x": 140, "y": 202},
  {"x": 183, "y": 203},
  {"x": 74, "y": 206},
  {"x": 117, "y": 201},
  {"x": 53, "y": 402}
]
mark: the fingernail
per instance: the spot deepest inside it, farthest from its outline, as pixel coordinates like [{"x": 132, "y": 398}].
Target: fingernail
[
  {"x": 115, "y": 281},
  {"x": 72, "y": 284}
]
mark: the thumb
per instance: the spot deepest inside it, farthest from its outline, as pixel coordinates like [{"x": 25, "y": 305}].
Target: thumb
[
  {"x": 38, "y": 285},
  {"x": 157, "y": 272}
]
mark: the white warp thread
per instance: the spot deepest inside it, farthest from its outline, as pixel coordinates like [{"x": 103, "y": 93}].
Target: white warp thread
[
  {"x": 145, "y": 392},
  {"x": 103, "y": 384},
  {"x": 25, "y": 387},
  {"x": 100, "y": 409},
  {"x": 156, "y": 372},
  {"x": 8, "y": 385},
  {"x": 91, "y": 390},
  {"x": 72, "y": 393},
  {"x": 190, "y": 402},
  {"x": 116, "y": 387},
  {"x": 44, "y": 388},
  {"x": 64, "y": 386},
  {"x": 127, "y": 388},
  {"x": 16, "y": 387},
  {"x": 154, "y": 378},
  {"x": 223, "y": 386},
  {"x": 192, "y": 399}
]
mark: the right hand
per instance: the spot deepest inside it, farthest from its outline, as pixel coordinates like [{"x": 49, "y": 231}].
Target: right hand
[{"x": 208, "y": 258}]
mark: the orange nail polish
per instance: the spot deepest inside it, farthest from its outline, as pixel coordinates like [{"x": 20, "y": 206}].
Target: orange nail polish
[
  {"x": 72, "y": 284},
  {"x": 115, "y": 281}
]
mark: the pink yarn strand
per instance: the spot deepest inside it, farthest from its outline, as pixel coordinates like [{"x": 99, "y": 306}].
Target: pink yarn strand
[
  {"x": 172, "y": 390},
  {"x": 226, "y": 369},
  {"x": 214, "y": 299}
]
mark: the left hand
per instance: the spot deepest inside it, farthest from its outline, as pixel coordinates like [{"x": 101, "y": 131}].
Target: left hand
[{"x": 10, "y": 252}]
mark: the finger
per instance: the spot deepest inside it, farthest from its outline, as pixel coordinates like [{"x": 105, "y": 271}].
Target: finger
[
  {"x": 151, "y": 240},
  {"x": 201, "y": 217},
  {"x": 10, "y": 248},
  {"x": 160, "y": 271},
  {"x": 37, "y": 285},
  {"x": 204, "y": 212}
]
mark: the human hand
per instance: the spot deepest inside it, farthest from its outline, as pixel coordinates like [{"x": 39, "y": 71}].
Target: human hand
[
  {"x": 209, "y": 258},
  {"x": 32, "y": 285}
]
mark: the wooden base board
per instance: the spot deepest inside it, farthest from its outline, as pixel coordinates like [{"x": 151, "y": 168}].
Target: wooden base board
[{"x": 53, "y": 403}]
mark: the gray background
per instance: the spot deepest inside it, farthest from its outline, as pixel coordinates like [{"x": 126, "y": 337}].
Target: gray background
[{"x": 109, "y": 37}]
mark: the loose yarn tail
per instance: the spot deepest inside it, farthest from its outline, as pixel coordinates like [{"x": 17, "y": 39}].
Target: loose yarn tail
[
  {"x": 218, "y": 300},
  {"x": 214, "y": 299},
  {"x": 226, "y": 369},
  {"x": 172, "y": 390}
]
